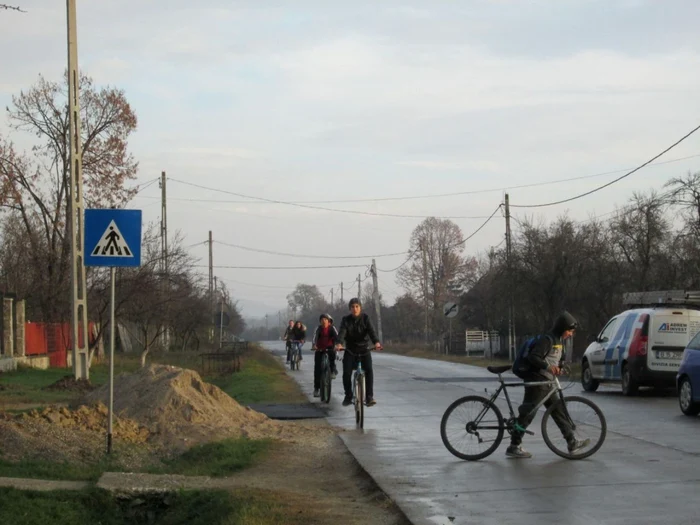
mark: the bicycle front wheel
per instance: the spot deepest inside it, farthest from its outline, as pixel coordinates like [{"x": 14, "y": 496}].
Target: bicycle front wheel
[
  {"x": 360, "y": 402},
  {"x": 325, "y": 381},
  {"x": 472, "y": 428},
  {"x": 586, "y": 421}
]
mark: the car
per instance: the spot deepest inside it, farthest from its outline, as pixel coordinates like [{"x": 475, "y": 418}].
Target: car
[
  {"x": 642, "y": 346},
  {"x": 688, "y": 379}
]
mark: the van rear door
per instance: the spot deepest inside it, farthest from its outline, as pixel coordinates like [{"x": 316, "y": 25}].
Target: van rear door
[{"x": 669, "y": 334}]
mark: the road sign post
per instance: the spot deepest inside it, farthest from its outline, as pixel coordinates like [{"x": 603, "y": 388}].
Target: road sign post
[
  {"x": 450, "y": 310},
  {"x": 112, "y": 239}
]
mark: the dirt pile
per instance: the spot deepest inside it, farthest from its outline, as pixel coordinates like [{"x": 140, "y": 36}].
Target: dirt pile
[
  {"x": 182, "y": 409},
  {"x": 59, "y": 434},
  {"x": 70, "y": 384}
]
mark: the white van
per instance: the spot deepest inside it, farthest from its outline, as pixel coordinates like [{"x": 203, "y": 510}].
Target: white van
[{"x": 643, "y": 346}]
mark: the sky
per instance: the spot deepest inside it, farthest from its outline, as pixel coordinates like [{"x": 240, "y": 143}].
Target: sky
[{"x": 329, "y": 101}]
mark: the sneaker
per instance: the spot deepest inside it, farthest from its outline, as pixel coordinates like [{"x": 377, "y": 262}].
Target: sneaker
[
  {"x": 517, "y": 452},
  {"x": 577, "y": 445},
  {"x": 371, "y": 402},
  {"x": 317, "y": 393},
  {"x": 334, "y": 374},
  {"x": 347, "y": 401}
]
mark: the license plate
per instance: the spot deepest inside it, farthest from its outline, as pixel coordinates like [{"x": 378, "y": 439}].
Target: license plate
[{"x": 669, "y": 355}]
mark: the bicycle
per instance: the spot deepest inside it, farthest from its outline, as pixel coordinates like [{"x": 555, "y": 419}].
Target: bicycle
[
  {"x": 295, "y": 360},
  {"x": 474, "y": 427},
  {"x": 359, "y": 392},
  {"x": 325, "y": 377}
]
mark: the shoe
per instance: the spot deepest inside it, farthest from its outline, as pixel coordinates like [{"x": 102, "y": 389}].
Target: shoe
[
  {"x": 347, "y": 401},
  {"x": 317, "y": 393},
  {"x": 370, "y": 402},
  {"x": 517, "y": 452},
  {"x": 334, "y": 374},
  {"x": 577, "y": 445}
]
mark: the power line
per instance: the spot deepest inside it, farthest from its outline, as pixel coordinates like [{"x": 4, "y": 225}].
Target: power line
[
  {"x": 145, "y": 185},
  {"x": 434, "y": 195},
  {"x": 284, "y": 267},
  {"x": 271, "y": 252},
  {"x": 612, "y": 181},
  {"x": 323, "y": 208}
]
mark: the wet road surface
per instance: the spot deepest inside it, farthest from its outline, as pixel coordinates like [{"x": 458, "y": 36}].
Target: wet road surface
[{"x": 648, "y": 470}]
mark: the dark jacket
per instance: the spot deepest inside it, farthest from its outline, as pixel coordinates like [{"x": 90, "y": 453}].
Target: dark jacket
[
  {"x": 354, "y": 332},
  {"x": 288, "y": 336},
  {"x": 540, "y": 357},
  {"x": 332, "y": 335},
  {"x": 299, "y": 334}
]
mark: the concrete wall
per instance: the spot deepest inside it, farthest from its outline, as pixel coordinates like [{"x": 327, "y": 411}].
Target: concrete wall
[
  {"x": 34, "y": 361},
  {"x": 19, "y": 329},
  {"x": 7, "y": 364},
  {"x": 7, "y": 327}
]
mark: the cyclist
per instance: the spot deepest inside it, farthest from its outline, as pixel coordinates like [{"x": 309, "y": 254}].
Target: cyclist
[
  {"x": 325, "y": 338},
  {"x": 288, "y": 338},
  {"x": 299, "y": 335},
  {"x": 354, "y": 331},
  {"x": 543, "y": 363}
]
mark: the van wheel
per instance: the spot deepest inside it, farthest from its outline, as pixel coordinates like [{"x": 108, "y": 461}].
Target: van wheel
[
  {"x": 685, "y": 398},
  {"x": 630, "y": 386},
  {"x": 589, "y": 383}
]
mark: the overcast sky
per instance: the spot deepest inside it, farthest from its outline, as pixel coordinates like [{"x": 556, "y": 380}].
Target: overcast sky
[{"x": 332, "y": 100}]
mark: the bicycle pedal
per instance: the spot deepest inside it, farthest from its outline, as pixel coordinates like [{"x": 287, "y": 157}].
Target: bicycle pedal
[{"x": 530, "y": 432}]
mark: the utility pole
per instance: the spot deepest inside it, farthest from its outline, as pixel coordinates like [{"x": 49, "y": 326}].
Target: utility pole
[
  {"x": 211, "y": 282},
  {"x": 359, "y": 290},
  {"x": 81, "y": 364},
  {"x": 509, "y": 266},
  {"x": 267, "y": 329},
  {"x": 165, "y": 338},
  {"x": 342, "y": 300},
  {"x": 377, "y": 306},
  {"x": 331, "y": 297},
  {"x": 425, "y": 288}
]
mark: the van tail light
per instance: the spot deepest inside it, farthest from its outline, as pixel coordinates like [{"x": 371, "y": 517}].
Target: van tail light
[{"x": 639, "y": 346}]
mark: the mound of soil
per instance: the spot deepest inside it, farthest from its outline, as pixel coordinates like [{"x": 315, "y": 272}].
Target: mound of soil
[
  {"x": 70, "y": 384},
  {"x": 182, "y": 409},
  {"x": 59, "y": 434}
]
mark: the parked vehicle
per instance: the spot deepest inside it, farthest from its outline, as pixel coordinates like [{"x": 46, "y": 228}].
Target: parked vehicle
[
  {"x": 643, "y": 346},
  {"x": 688, "y": 379}
]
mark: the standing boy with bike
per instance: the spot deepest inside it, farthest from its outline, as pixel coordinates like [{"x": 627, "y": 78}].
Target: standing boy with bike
[
  {"x": 542, "y": 363},
  {"x": 288, "y": 336},
  {"x": 355, "y": 329},
  {"x": 325, "y": 338}
]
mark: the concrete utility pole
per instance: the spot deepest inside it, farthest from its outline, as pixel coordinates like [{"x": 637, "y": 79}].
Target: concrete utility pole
[
  {"x": 211, "y": 283},
  {"x": 331, "y": 296},
  {"x": 377, "y": 306},
  {"x": 509, "y": 266},
  {"x": 81, "y": 362},
  {"x": 425, "y": 289},
  {"x": 342, "y": 300},
  {"x": 165, "y": 338},
  {"x": 359, "y": 289}
]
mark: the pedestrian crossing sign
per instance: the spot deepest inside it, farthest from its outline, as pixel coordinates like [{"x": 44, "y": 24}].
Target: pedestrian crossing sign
[{"x": 112, "y": 237}]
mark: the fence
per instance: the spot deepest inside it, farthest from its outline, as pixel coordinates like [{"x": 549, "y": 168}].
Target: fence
[{"x": 52, "y": 339}]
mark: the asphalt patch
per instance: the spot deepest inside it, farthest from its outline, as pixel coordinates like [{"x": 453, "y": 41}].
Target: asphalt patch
[
  {"x": 291, "y": 411},
  {"x": 457, "y": 379}
]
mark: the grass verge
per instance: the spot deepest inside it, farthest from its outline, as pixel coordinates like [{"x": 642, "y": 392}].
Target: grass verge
[
  {"x": 100, "y": 507},
  {"x": 261, "y": 380}
]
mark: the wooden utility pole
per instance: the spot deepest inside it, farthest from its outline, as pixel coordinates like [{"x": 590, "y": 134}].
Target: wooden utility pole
[
  {"x": 359, "y": 289},
  {"x": 211, "y": 285},
  {"x": 342, "y": 300},
  {"x": 165, "y": 337},
  {"x": 81, "y": 354},
  {"x": 509, "y": 267},
  {"x": 331, "y": 297},
  {"x": 425, "y": 288},
  {"x": 377, "y": 306}
]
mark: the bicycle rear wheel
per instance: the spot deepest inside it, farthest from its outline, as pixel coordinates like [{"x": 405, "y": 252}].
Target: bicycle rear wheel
[
  {"x": 360, "y": 401},
  {"x": 472, "y": 421},
  {"x": 587, "y": 421}
]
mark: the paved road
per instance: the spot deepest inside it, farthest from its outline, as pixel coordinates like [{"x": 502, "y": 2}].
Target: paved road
[{"x": 647, "y": 472}]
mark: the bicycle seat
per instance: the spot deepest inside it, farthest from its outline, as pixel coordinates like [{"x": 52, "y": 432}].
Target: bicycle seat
[{"x": 498, "y": 369}]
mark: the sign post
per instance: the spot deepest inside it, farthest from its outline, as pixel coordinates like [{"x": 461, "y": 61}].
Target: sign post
[
  {"x": 112, "y": 239},
  {"x": 450, "y": 310}
]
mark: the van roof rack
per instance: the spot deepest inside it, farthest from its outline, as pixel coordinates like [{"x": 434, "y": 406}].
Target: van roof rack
[{"x": 661, "y": 297}]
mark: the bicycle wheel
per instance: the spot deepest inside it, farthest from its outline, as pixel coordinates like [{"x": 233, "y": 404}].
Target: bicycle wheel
[
  {"x": 360, "y": 401},
  {"x": 588, "y": 423},
  {"x": 472, "y": 420},
  {"x": 325, "y": 381}
]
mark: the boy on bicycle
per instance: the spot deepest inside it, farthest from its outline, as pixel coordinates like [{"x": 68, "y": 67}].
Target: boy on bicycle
[
  {"x": 288, "y": 336},
  {"x": 354, "y": 331},
  {"x": 542, "y": 363},
  {"x": 325, "y": 338}
]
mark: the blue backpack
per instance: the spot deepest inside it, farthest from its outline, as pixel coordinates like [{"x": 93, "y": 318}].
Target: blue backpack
[{"x": 521, "y": 367}]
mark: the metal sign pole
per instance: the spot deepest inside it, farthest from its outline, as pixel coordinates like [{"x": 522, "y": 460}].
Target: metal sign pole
[
  {"x": 221, "y": 323},
  {"x": 450, "y": 345},
  {"x": 112, "y": 330}
]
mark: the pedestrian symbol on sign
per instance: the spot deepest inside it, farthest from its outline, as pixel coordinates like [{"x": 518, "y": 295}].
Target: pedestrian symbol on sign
[{"x": 111, "y": 244}]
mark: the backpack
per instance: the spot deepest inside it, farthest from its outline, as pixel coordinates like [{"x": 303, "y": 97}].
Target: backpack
[{"x": 521, "y": 367}]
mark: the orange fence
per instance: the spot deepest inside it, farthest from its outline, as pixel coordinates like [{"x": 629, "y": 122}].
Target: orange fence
[{"x": 52, "y": 339}]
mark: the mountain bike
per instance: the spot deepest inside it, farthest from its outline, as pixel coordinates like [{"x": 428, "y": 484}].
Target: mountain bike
[
  {"x": 478, "y": 421},
  {"x": 359, "y": 392},
  {"x": 295, "y": 361},
  {"x": 325, "y": 377}
]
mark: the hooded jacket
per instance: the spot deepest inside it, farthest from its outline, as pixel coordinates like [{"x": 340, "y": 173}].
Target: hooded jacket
[
  {"x": 354, "y": 332},
  {"x": 548, "y": 350}
]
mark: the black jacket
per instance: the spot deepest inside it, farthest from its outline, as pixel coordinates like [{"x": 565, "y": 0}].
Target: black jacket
[
  {"x": 354, "y": 332},
  {"x": 538, "y": 355},
  {"x": 299, "y": 334}
]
